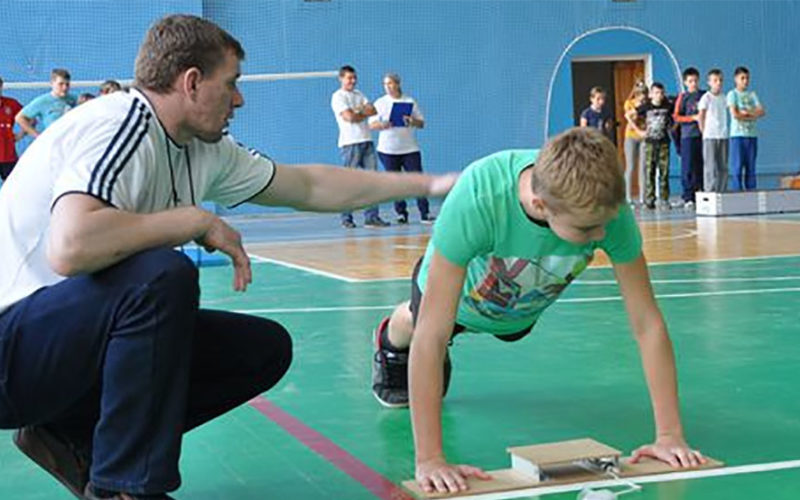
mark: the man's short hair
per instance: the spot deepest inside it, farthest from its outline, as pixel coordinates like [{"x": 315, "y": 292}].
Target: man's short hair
[
  {"x": 579, "y": 169},
  {"x": 109, "y": 86},
  {"x": 56, "y": 72},
  {"x": 739, "y": 70},
  {"x": 179, "y": 42},
  {"x": 715, "y": 71},
  {"x": 596, "y": 90},
  {"x": 346, "y": 69},
  {"x": 657, "y": 85},
  {"x": 690, "y": 71}
]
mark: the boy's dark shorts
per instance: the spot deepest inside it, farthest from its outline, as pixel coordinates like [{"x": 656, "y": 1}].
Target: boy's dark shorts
[{"x": 416, "y": 299}]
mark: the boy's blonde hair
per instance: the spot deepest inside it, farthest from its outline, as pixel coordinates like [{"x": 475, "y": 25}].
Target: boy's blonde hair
[
  {"x": 578, "y": 170},
  {"x": 595, "y": 91}
]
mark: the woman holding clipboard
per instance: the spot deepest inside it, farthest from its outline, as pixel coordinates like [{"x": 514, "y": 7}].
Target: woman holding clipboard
[{"x": 397, "y": 117}]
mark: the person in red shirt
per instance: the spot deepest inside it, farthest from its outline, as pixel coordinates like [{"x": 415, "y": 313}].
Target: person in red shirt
[{"x": 9, "y": 108}]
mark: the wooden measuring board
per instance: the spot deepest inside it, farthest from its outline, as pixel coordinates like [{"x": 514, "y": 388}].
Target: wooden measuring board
[{"x": 557, "y": 461}]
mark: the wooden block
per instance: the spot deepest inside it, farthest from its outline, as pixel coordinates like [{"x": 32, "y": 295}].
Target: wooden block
[
  {"x": 649, "y": 466},
  {"x": 564, "y": 451},
  {"x": 509, "y": 479}
]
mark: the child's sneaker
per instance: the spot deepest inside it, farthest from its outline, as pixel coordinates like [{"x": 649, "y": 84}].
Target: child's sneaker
[
  {"x": 427, "y": 219},
  {"x": 390, "y": 372},
  {"x": 402, "y": 219}
]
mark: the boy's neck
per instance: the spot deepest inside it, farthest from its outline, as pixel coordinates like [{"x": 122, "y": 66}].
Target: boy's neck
[
  {"x": 525, "y": 194},
  {"x": 596, "y": 108},
  {"x": 741, "y": 89}
]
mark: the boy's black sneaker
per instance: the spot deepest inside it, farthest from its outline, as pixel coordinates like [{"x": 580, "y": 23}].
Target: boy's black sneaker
[{"x": 390, "y": 372}]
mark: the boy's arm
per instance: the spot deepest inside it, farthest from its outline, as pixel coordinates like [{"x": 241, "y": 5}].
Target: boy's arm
[
  {"x": 26, "y": 124},
  {"x": 678, "y": 115},
  {"x": 428, "y": 347},
  {"x": 631, "y": 116},
  {"x": 701, "y": 121},
  {"x": 658, "y": 361},
  {"x": 584, "y": 122}
]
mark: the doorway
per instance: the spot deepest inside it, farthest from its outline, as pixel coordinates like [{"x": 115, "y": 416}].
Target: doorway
[{"x": 616, "y": 74}]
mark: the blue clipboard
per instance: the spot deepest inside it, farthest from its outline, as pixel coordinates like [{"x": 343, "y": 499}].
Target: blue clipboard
[{"x": 399, "y": 110}]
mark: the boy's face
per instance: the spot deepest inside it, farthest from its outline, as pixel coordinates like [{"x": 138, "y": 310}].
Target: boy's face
[
  {"x": 691, "y": 83},
  {"x": 579, "y": 226},
  {"x": 59, "y": 86},
  {"x": 348, "y": 81},
  {"x": 742, "y": 80},
  {"x": 598, "y": 100},
  {"x": 656, "y": 95},
  {"x": 715, "y": 83}
]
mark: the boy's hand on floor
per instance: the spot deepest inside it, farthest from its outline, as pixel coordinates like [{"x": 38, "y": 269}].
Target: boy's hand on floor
[
  {"x": 672, "y": 450},
  {"x": 436, "y": 475}
]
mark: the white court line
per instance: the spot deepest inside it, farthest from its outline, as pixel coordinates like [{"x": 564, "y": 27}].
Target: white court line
[
  {"x": 318, "y": 272},
  {"x": 689, "y": 234},
  {"x": 658, "y": 478},
  {"x": 611, "y": 298},
  {"x": 754, "y": 219},
  {"x": 346, "y": 279},
  {"x": 698, "y": 280},
  {"x": 724, "y": 259}
]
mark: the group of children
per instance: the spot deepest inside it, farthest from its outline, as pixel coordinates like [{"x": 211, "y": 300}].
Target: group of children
[{"x": 696, "y": 122}]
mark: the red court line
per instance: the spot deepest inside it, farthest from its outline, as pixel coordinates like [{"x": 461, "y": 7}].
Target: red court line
[{"x": 379, "y": 485}]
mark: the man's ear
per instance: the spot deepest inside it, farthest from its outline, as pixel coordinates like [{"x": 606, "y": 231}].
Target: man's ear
[{"x": 191, "y": 79}]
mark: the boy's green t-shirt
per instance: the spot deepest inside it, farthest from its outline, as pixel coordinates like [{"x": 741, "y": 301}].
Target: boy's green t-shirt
[{"x": 515, "y": 267}]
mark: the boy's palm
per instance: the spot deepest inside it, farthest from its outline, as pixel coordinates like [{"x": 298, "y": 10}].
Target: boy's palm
[
  {"x": 674, "y": 451},
  {"x": 438, "y": 476}
]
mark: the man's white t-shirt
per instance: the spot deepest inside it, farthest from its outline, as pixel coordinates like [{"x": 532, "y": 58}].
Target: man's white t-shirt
[
  {"x": 349, "y": 132},
  {"x": 114, "y": 149},
  {"x": 396, "y": 140},
  {"x": 716, "y": 126}
]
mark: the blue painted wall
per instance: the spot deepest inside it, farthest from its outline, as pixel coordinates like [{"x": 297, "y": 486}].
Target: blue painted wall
[{"x": 481, "y": 69}]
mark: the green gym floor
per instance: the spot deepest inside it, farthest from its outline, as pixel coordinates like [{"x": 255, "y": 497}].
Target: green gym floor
[{"x": 321, "y": 434}]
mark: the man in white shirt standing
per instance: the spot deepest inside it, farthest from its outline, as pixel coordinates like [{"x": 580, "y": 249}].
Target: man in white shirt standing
[
  {"x": 106, "y": 358},
  {"x": 397, "y": 144},
  {"x": 351, "y": 109}
]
